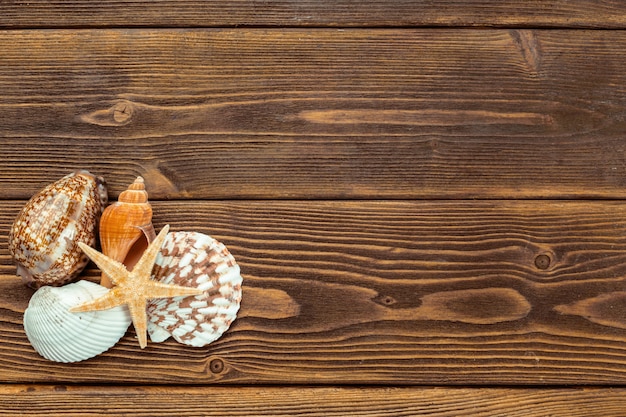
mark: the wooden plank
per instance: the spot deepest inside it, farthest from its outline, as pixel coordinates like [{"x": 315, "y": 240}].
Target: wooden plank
[
  {"x": 398, "y": 13},
  {"x": 213, "y": 114},
  {"x": 370, "y": 292},
  {"x": 68, "y": 401}
]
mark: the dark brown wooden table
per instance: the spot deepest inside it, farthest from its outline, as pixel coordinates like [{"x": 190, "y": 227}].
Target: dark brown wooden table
[{"x": 426, "y": 199}]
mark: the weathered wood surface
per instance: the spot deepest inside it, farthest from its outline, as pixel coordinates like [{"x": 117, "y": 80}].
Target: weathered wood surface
[
  {"x": 317, "y": 113},
  {"x": 325, "y": 143},
  {"x": 371, "y": 292},
  {"x": 344, "y": 13},
  {"x": 69, "y": 401}
]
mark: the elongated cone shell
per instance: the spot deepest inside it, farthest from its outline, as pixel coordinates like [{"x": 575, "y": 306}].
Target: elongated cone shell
[
  {"x": 126, "y": 227},
  {"x": 61, "y": 336},
  {"x": 44, "y": 238},
  {"x": 192, "y": 259}
]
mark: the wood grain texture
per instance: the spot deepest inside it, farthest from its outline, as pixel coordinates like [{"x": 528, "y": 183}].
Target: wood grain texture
[
  {"x": 71, "y": 401},
  {"x": 213, "y": 114},
  {"x": 371, "y": 292},
  {"x": 377, "y": 168},
  {"x": 348, "y": 13}
]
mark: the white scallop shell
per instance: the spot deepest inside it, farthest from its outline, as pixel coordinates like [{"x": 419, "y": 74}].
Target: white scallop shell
[
  {"x": 61, "y": 336},
  {"x": 195, "y": 260}
]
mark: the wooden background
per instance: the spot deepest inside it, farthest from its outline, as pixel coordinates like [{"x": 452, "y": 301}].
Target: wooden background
[{"x": 426, "y": 199}]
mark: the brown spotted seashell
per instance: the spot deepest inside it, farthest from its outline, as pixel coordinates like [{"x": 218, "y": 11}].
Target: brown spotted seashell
[
  {"x": 195, "y": 260},
  {"x": 43, "y": 239},
  {"x": 126, "y": 227}
]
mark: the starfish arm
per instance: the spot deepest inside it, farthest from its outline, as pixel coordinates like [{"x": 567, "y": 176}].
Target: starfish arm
[
  {"x": 133, "y": 288},
  {"x": 155, "y": 289},
  {"x": 146, "y": 262},
  {"x": 138, "y": 314},
  {"x": 115, "y": 270},
  {"x": 109, "y": 300}
]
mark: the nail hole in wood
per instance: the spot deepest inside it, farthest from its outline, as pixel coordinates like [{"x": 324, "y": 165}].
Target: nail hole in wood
[{"x": 389, "y": 300}]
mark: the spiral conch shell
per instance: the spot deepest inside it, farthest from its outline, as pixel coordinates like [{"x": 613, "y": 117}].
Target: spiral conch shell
[
  {"x": 44, "y": 238},
  {"x": 194, "y": 259},
  {"x": 61, "y": 336},
  {"x": 126, "y": 227}
]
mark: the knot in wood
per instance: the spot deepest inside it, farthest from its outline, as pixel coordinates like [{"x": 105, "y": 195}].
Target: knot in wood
[
  {"x": 119, "y": 114},
  {"x": 216, "y": 366},
  {"x": 122, "y": 112},
  {"x": 542, "y": 261}
]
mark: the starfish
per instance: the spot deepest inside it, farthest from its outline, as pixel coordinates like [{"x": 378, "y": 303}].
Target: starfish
[{"x": 133, "y": 288}]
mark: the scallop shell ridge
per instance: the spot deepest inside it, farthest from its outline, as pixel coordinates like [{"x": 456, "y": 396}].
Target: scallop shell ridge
[
  {"x": 61, "y": 336},
  {"x": 195, "y": 259}
]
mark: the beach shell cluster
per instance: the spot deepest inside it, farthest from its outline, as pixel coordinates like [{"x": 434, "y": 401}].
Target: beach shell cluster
[{"x": 195, "y": 281}]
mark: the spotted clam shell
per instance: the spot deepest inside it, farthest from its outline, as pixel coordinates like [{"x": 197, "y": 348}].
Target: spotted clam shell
[
  {"x": 43, "y": 238},
  {"x": 195, "y": 259}
]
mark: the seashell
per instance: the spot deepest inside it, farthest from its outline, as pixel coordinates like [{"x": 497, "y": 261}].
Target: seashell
[
  {"x": 126, "y": 227},
  {"x": 61, "y": 336},
  {"x": 195, "y": 260},
  {"x": 43, "y": 239}
]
